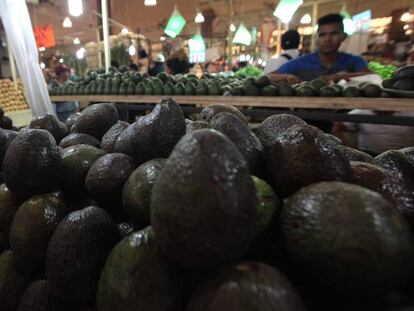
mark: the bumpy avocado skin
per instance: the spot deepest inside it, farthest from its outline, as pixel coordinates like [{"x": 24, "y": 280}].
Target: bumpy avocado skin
[{"x": 204, "y": 184}]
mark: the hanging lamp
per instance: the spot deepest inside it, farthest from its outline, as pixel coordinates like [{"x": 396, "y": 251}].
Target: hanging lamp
[
  {"x": 150, "y": 2},
  {"x": 286, "y": 8}
]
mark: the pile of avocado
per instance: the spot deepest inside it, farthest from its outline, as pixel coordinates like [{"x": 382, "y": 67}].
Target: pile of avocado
[
  {"x": 401, "y": 80},
  {"x": 201, "y": 215},
  {"x": 134, "y": 83}
]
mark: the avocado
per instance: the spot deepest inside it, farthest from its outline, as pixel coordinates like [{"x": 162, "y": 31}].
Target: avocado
[
  {"x": 108, "y": 86},
  {"x": 149, "y": 88},
  {"x": 328, "y": 91},
  {"x": 179, "y": 89},
  {"x": 38, "y": 148},
  {"x": 301, "y": 156},
  {"x": 125, "y": 229},
  {"x": 333, "y": 139},
  {"x": 305, "y": 90},
  {"x": 409, "y": 152},
  {"x": 263, "y": 81},
  {"x": 404, "y": 85},
  {"x": 70, "y": 121},
  {"x": 388, "y": 83},
  {"x": 106, "y": 178},
  {"x": 371, "y": 90},
  {"x": 79, "y": 139},
  {"x": 190, "y": 89},
  {"x": 348, "y": 238},
  {"x": 137, "y": 273},
  {"x": 214, "y": 89},
  {"x": 169, "y": 89},
  {"x": 140, "y": 89},
  {"x": 275, "y": 125},
  {"x": 108, "y": 140},
  {"x": 250, "y": 89},
  {"x": 317, "y": 84},
  {"x": 339, "y": 88},
  {"x": 3, "y": 144},
  {"x": 269, "y": 90},
  {"x": 392, "y": 189},
  {"x": 136, "y": 194},
  {"x": 115, "y": 87},
  {"x": 8, "y": 207},
  {"x": 211, "y": 110},
  {"x": 123, "y": 88},
  {"x": 355, "y": 155},
  {"x": 241, "y": 135},
  {"x": 351, "y": 91},
  {"x": 236, "y": 91},
  {"x": 31, "y": 229},
  {"x": 204, "y": 159},
  {"x": 100, "y": 90},
  {"x": 50, "y": 123},
  {"x": 12, "y": 282},
  {"x": 405, "y": 72},
  {"x": 268, "y": 205},
  {"x": 162, "y": 76},
  {"x": 76, "y": 161},
  {"x": 130, "y": 88},
  {"x": 399, "y": 165},
  {"x": 6, "y": 123},
  {"x": 201, "y": 89},
  {"x": 245, "y": 286},
  {"x": 96, "y": 120},
  {"x": 191, "y": 126},
  {"x": 77, "y": 252},
  {"x": 154, "y": 135},
  {"x": 39, "y": 296},
  {"x": 158, "y": 88}
]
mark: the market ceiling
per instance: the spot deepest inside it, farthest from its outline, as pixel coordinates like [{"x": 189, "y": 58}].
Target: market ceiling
[{"x": 150, "y": 21}]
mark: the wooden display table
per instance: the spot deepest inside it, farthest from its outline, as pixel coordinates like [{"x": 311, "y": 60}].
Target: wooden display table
[{"x": 320, "y": 108}]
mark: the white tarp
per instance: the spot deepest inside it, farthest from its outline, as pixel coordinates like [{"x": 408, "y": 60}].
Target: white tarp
[{"x": 16, "y": 21}]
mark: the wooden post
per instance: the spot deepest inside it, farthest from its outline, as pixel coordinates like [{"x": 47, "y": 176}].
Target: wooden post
[{"x": 314, "y": 20}]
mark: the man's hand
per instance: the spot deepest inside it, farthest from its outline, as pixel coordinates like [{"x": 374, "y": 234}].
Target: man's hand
[{"x": 291, "y": 79}]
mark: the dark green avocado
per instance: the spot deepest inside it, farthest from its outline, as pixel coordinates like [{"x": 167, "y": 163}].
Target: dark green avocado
[
  {"x": 110, "y": 137},
  {"x": 70, "y": 121},
  {"x": 31, "y": 229},
  {"x": 347, "y": 238},
  {"x": 154, "y": 135},
  {"x": 378, "y": 179},
  {"x": 50, "y": 123},
  {"x": 194, "y": 125},
  {"x": 240, "y": 134},
  {"x": 245, "y": 286},
  {"x": 8, "y": 207},
  {"x": 37, "y": 148},
  {"x": 77, "y": 252},
  {"x": 301, "y": 156},
  {"x": 79, "y": 139},
  {"x": 96, "y": 120},
  {"x": 204, "y": 159},
  {"x": 76, "y": 161},
  {"x": 275, "y": 125},
  {"x": 211, "y": 110},
  {"x": 137, "y": 273},
  {"x": 136, "y": 194}
]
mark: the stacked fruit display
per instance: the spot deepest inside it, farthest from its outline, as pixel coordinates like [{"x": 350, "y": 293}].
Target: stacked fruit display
[
  {"x": 133, "y": 83},
  {"x": 384, "y": 71},
  {"x": 12, "y": 99},
  {"x": 171, "y": 214}
]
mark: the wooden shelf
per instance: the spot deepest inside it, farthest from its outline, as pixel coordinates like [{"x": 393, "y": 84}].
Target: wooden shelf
[{"x": 381, "y": 104}]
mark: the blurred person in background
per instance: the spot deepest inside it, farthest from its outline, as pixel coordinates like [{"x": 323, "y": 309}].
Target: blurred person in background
[
  {"x": 47, "y": 74},
  {"x": 63, "y": 109},
  {"x": 290, "y": 45},
  {"x": 178, "y": 63},
  {"x": 133, "y": 67},
  {"x": 212, "y": 67},
  {"x": 158, "y": 65}
]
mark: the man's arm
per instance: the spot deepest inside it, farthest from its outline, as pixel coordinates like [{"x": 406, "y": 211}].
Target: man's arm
[
  {"x": 360, "y": 68},
  {"x": 285, "y": 73}
]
